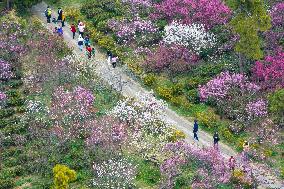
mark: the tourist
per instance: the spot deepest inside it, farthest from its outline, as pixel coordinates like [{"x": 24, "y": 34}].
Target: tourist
[
  {"x": 87, "y": 41},
  {"x": 48, "y": 14},
  {"x": 232, "y": 163},
  {"x": 216, "y": 139},
  {"x": 109, "y": 56},
  {"x": 81, "y": 28},
  {"x": 114, "y": 60},
  {"x": 73, "y": 30},
  {"x": 80, "y": 42},
  {"x": 55, "y": 30},
  {"x": 63, "y": 19},
  {"x": 60, "y": 31},
  {"x": 93, "y": 51},
  {"x": 89, "y": 51},
  {"x": 60, "y": 12},
  {"x": 195, "y": 130}
]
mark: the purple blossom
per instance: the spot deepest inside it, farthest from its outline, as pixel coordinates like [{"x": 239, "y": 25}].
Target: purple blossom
[
  {"x": 257, "y": 108},
  {"x": 5, "y": 70},
  {"x": 3, "y": 96}
]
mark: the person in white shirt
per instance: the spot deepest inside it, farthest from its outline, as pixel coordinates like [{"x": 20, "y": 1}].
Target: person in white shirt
[
  {"x": 114, "y": 60},
  {"x": 80, "y": 42},
  {"x": 81, "y": 28}
]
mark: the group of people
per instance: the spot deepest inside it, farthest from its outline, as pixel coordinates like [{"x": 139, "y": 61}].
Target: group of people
[
  {"x": 83, "y": 40},
  {"x": 216, "y": 139}
]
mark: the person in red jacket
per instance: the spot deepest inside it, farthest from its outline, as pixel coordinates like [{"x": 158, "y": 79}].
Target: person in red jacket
[
  {"x": 89, "y": 51},
  {"x": 73, "y": 30}
]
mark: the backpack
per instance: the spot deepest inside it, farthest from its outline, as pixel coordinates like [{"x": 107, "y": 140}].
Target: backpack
[{"x": 48, "y": 12}]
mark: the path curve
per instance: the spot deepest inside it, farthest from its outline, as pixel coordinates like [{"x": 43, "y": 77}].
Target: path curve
[{"x": 130, "y": 88}]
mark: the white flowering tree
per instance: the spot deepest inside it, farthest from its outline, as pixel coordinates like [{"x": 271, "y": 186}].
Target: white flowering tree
[{"x": 193, "y": 36}]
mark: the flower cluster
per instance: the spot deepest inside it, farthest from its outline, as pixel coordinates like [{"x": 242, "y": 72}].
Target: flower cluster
[
  {"x": 210, "y": 12},
  {"x": 5, "y": 70},
  {"x": 144, "y": 3},
  {"x": 128, "y": 30},
  {"x": 219, "y": 87},
  {"x": 3, "y": 96},
  {"x": 270, "y": 72},
  {"x": 114, "y": 174},
  {"x": 193, "y": 36},
  {"x": 257, "y": 108},
  {"x": 172, "y": 58}
]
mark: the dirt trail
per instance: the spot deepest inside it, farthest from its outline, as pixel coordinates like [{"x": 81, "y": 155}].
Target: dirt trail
[{"x": 131, "y": 87}]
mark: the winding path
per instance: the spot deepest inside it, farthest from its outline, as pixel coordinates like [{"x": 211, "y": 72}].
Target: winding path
[{"x": 130, "y": 88}]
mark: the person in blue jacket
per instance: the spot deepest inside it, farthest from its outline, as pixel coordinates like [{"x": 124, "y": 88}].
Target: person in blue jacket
[{"x": 195, "y": 130}]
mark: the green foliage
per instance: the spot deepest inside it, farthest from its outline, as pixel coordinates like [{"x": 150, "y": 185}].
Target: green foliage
[
  {"x": 6, "y": 112},
  {"x": 148, "y": 173},
  {"x": 251, "y": 17},
  {"x": 100, "y": 11},
  {"x": 7, "y": 183},
  {"x": 207, "y": 119},
  {"x": 165, "y": 92},
  {"x": 63, "y": 176},
  {"x": 276, "y": 104},
  {"x": 192, "y": 96},
  {"x": 149, "y": 79}
]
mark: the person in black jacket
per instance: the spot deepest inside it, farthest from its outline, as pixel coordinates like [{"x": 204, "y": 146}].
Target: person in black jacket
[
  {"x": 59, "y": 14},
  {"x": 216, "y": 138},
  {"x": 195, "y": 130}
]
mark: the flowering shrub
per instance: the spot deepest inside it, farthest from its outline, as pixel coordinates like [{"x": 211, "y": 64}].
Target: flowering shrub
[
  {"x": 257, "y": 108},
  {"x": 63, "y": 176},
  {"x": 173, "y": 59},
  {"x": 270, "y": 72},
  {"x": 5, "y": 70},
  {"x": 209, "y": 13},
  {"x": 230, "y": 93},
  {"x": 210, "y": 159},
  {"x": 114, "y": 173},
  {"x": 193, "y": 36},
  {"x": 128, "y": 30},
  {"x": 71, "y": 112},
  {"x": 3, "y": 96}
]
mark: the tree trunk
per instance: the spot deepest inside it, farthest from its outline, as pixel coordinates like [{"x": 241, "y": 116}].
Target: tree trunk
[
  {"x": 241, "y": 63},
  {"x": 8, "y": 4}
]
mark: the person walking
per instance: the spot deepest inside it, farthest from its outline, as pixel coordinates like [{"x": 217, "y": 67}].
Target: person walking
[
  {"x": 245, "y": 150},
  {"x": 60, "y": 31},
  {"x": 195, "y": 130},
  {"x": 216, "y": 139},
  {"x": 73, "y": 30},
  {"x": 93, "y": 52},
  {"x": 109, "y": 56},
  {"x": 80, "y": 42},
  {"x": 63, "y": 19},
  {"x": 60, "y": 12},
  {"x": 89, "y": 51},
  {"x": 81, "y": 28},
  {"x": 232, "y": 163},
  {"x": 114, "y": 60},
  {"x": 48, "y": 14},
  {"x": 87, "y": 41}
]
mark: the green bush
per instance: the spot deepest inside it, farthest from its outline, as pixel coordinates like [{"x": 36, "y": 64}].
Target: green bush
[
  {"x": 276, "y": 105},
  {"x": 10, "y": 162},
  {"x": 180, "y": 101},
  {"x": 165, "y": 92},
  {"x": 15, "y": 101},
  {"x": 149, "y": 79},
  {"x": 148, "y": 173},
  {"x": 15, "y": 83},
  {"x": 192, "y": 96},
  {"x": 7, "y": 183},
  {"x": 177, "y": 89},
  {"x": 207, "y": 119},
  {"x": 14, "y": 129},
  {"x": 6, "y": 112},
  {"x": 63, "y": 176}
]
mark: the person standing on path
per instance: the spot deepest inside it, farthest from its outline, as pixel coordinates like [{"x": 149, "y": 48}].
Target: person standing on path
[
  {"x": 87, "y": 41},
  {"x": 63, "y": 19},
  {"x": 245, "y": 149},
  {"x": 109, "y": 56},
  {"x": 114, "y": 60},
  {"x": 48, "y": 14},
  {"x": 73, "y": 30},
  {"x": 216, "y": 139},
  {"x": 81, "y": 28},
  {"x": 195, "y": 130},
  {"x": 89, "y": 51},
  {"x": 232, "y": 163},
  {"x": 80, "y": 42},
  {"x": 60, "y": 12}
]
